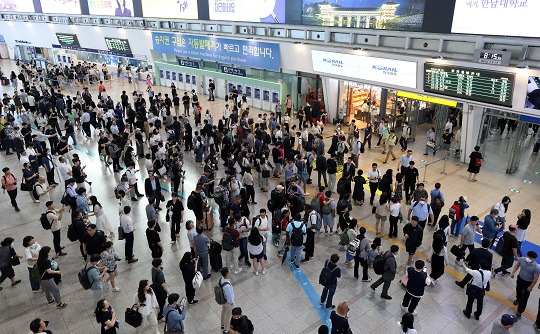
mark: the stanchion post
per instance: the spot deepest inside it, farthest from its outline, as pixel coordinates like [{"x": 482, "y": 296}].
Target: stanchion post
[
  {"x": 425, "y": 170},
  {"x": 444, "y": 166}
]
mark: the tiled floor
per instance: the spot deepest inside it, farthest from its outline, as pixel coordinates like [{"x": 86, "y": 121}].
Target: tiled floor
[{"x": 275, "y": 302}]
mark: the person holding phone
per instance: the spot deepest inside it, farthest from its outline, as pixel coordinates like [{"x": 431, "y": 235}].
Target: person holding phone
[
  {"x": 38, "y": 326},
  {"x": 175, "y": 313}
]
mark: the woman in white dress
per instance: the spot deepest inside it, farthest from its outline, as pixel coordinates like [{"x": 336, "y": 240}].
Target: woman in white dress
[
  {"x": 146, "y": 303},
  {"x": 102, "y": 222}
]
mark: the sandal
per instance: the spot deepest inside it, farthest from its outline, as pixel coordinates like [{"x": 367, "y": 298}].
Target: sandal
[
  {"x": 61, "y": 305},
  {"x": 16, "y": 282},
  {"x": 117, "y": 289}
]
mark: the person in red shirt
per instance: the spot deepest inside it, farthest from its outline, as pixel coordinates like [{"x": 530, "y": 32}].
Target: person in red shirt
[
  {"x": 9, "y": 183},
  {"x": 101, "y": 87}
]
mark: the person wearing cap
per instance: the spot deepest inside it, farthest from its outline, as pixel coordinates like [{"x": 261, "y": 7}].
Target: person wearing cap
[
  {"x": 9, "y": 183},
  {"x": 529, "y": 271},
  {"x": 503, "y": 326}
]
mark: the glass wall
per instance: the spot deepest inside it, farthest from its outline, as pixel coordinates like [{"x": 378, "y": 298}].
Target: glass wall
[
  {"x": 110, "y": 60},
  {"x": 358, "y": 101}
]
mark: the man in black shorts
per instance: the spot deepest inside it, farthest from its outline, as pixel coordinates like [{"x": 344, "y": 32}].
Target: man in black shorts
[{"x": 413, "y": 238}]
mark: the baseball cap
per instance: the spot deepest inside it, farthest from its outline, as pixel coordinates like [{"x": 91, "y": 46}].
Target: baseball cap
[{"x": 508, "y": 319}]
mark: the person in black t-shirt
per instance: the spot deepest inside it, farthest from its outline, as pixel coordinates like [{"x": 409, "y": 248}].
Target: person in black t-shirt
[
  {"x": 93, "y": 241},
  {"x": 411, "y": 178},
  {"x": 240, "y": 324},
  {"x": 154, "y": 241},
  {"x": 175, "y": 209},
  {"x": 106, "y": 317},
  {"x": 509, "y": 250}
]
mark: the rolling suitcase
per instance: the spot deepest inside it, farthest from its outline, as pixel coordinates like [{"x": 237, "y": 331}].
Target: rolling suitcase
[
  {"x": 216, "y": 262},
  {"x": 208, "y": 220}
]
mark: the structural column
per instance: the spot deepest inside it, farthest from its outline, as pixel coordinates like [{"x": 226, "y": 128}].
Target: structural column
[{"x": 470, "y": 130}]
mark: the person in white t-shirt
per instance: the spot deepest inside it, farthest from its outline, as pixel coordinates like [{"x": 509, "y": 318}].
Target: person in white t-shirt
[
  {"x": 31, "y": 253},
  {"x": 263, "y": 225}
]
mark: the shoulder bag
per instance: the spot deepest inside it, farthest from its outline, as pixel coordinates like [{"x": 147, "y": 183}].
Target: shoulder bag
[{"x": 133, "y": 317}]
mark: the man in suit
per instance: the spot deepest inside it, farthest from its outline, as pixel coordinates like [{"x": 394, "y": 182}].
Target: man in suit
[
  {"x": 349, "y": 168},
  {"x": 390, "y": 270},
  {"x": 474, "y": 259},
  {"x": 152, "y": 188}
]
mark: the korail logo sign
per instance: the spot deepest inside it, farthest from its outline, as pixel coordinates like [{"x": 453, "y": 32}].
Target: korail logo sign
[{"x": 382, "y": 70}]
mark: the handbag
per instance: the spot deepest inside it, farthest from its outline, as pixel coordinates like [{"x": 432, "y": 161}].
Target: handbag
[
  {"x": 133, "y": 317},
  {"x": 373, "y": 209},
  {"x": 478, "y": 162},
  {"x": 15, "y": 261},
  {"x": 458, "y": 253},
  {"x": 474, "y": 291},
  {"x": 26, "y": 186},
  {"x": 430, "y": 144},
  {"x": 197, "y": 280},
  {"x": 120, "y": 233}
]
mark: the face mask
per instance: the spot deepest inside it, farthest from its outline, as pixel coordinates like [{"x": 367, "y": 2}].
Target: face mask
[{"x": 528, "y": 260}]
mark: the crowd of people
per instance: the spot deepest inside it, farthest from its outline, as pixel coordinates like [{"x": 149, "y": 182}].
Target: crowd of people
[{"x": 238, "y": 155}]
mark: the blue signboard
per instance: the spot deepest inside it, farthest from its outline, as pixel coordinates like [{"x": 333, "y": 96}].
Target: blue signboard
[
  {"x": 239, "y": 52},
  {"x": 188, "y": 63},
  {"x": 2, "y": 40},
  {"x": 233, "y": 70}
]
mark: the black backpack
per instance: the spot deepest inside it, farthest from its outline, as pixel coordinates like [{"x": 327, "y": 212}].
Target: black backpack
[
  {"x": 271, "y": 205},
  {"x": 72, "y": 233},
  {"x": 227, "y": 243},
  {"x": 191, "y": 201},
  {"x": 326, "y": 278},
  {"x": 378, "y": 264},
  {"x": 45, "y": 221},
  {"x": 297, "y": 236},
  {"x": 34, "y": 192},
  {"x": 83, "y": 278}
]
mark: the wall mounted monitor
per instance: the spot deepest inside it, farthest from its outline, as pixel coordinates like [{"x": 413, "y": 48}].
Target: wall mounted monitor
[
  {"x": 117, "y": 44},
  {"x": 469, "y": 83},
  {"x": 67, "y": 39}
]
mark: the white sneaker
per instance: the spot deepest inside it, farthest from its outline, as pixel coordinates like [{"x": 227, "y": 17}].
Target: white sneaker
[
  {"x": 404, "y": 308},
  {"x": 238, "y": 271},
  {"x": 256, "y": 273},
  {"x": 414, "y": 313},
  {"x": 306, "y": 194},
  {"x": 264, "y": 271}
]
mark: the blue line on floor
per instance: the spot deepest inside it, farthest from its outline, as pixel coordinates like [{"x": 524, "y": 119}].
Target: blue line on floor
[{"x": 309, "y": 290}]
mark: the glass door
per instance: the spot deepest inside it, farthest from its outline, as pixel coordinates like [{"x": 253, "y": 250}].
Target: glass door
[{"x": 517, "y": 143}]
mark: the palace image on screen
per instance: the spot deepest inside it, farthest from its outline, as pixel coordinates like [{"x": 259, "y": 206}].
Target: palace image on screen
[
  {"x": 173, "y": 9},
  {"x": 368, "y": 14},
  {"x": 111, "y": 7},
  {"x": 26, "y": 6},
  {"x": 61, "y": 6},
  {"x": 533, "y": 93},
  {"x": 268, "y": 11}
]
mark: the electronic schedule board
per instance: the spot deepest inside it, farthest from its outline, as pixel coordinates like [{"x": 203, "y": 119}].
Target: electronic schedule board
[
  {"x": 117, "y": 44},
  {"x": 469, "y": 83}
]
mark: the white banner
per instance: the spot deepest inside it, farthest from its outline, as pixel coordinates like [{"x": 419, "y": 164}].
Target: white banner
[
  {"x": 173, "y": 9},
  {"x": 387, "y": 71},
  {"x": 61, "y": 6},
  {"x": 269, "y": 11},
  {"x": 497, "y": 17},
  {"x": 111, "y": 7}
]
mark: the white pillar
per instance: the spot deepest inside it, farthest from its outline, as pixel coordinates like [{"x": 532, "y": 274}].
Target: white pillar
[
  {"x": 367, "y": 22},
  {"x": 470, "y": 130},
  {"x": 331, "y": 98}
]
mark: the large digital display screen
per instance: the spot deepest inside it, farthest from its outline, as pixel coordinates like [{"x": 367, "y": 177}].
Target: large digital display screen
[
  {"x": 502, "y": 17},
  {"x": 469, "y": 83},
  {"x": 111, "y": 7},
  {"x": 117, "y": 44},
  {"x": 25, "y": 6},
  {"x": 381, "y": 70},
  {"x": 67, "y": 39},
  {"x": 369, "y": 14},
  {"x": 533, "y": 93},
  {"x": 247, "y": 53},
  {"x": 61, "y": 6},
  {"x": 268, "y": 11},
  {"x": 172, "y": 9}
]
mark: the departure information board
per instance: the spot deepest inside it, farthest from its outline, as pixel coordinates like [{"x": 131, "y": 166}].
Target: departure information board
[
  {"x": 469, "y": 83},
  {"x": 67, "y": 39},
  {"x": 117, "y": 44}
]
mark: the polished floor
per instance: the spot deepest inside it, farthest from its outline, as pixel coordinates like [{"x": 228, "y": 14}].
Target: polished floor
[{"x": 277, "y": 302}]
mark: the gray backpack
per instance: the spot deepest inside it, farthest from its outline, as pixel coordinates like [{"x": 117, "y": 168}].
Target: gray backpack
[{"x": 219, "y": 293}]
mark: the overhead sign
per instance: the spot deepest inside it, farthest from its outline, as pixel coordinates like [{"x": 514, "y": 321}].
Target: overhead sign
[
  {"x": 111, "y": 7},
  {"x": 188, "y": 63},
  {"x": 382, "y": 70},
  {"x": 430, "y": 99},
  {"x": 234, "y": 71},
  {"x": 67, "y": 39},
  {"x": 117, "y": 44},
  {"x": 103, "y": 52},
  {"x": 24, "y": 6},
  {"x": 503, "y": 17},
  {"x": 269, "y": 11},
  {"x": 469, "y": 83},
  {"x": 61, "y": 6},
  {"x": 249, "y": 53},
  {"x": 173, "y": 9}
]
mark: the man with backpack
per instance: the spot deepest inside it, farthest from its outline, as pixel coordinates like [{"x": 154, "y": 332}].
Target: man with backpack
[
  {"x": 231, "y": 246},
  {"x": 386, "y": 266},
  {"x": 437, "y": 202},
  {"x": 54, "y": 218},
  {"x": 243, "y": 226},
  {"x": 296, "y": 230},
  {"x": 95, "y": 277},
  {"x": 224, "y": 295},
  {"x": 240, "y": 324},
  {"x": 312, "y": 219},
  {"x": 328, "y": 278},
  {"x": 328, "y": 210}
]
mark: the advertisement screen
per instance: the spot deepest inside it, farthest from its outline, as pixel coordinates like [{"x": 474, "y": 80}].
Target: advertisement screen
[
  {"x": 26, "y": 6},
  {"x": 369, "y": 14},
  {"x": 508, "y": 18},
  {"x": 111, "y": 7},
  {"x": 533, "y": 93},
  {"x": 172, "y": 9},
  {"x": 61, "y": 6},
  {"x": 268, "y": 11}
]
